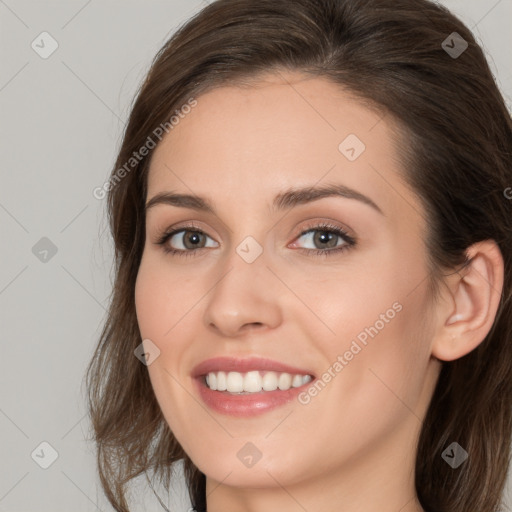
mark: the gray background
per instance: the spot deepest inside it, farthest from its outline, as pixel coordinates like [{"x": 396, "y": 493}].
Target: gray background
[{"x": 61, "y": 120}]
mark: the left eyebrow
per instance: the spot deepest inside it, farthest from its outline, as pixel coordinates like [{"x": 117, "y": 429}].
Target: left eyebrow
[
  {"x": 296, "y": 196},
  {"x": 283, "y": 201}
]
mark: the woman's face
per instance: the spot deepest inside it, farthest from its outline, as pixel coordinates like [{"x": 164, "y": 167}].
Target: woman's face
[{"x": 259, "y": 275}]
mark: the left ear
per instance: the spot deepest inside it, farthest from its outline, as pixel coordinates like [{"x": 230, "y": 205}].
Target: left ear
[{"x": 474, "y": 293}]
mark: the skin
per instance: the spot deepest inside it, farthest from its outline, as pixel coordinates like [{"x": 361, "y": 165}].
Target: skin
[{"x": 352, "y": 447}]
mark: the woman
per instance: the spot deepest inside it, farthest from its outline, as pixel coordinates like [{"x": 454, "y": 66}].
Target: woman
[{"x": 313, "y": 240}]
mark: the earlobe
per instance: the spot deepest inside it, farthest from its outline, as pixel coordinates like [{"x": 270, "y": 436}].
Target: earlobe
[{"x": 475, "y": 294}]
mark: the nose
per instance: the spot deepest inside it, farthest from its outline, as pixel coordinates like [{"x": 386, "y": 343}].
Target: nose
[{"x": 245, "y": 297}]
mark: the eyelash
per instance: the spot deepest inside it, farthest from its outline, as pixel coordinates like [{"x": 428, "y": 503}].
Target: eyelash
[{"x": 350, "y": 242}]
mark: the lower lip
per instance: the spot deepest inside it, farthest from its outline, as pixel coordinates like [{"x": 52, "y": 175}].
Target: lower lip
[{"x": 251, "y": 404}]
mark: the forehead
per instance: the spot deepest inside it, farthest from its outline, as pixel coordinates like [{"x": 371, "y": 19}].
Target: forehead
[{"x": 283, "y": 131}]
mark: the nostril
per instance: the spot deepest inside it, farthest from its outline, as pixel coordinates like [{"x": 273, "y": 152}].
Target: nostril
[{"x": 254, "y": 325}]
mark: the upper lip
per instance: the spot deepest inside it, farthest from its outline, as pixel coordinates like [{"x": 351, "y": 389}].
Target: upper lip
[{"x": 233, "y": 364}]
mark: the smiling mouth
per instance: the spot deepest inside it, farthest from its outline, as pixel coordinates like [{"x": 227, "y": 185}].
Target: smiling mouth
[{"x": 256, "y": 381}]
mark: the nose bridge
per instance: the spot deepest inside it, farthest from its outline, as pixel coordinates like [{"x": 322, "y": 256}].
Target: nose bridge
[{"x": 244, "y": 292}]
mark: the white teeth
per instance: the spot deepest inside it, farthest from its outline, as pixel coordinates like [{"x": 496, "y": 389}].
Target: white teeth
[
  {"x": 254, "y": 381},
  {"x": 270, "y": 381},
  {"x": 306, "y": 379},
  {"x": 297, "y": 381},
  {"x": 234, "y": 382},
  {"x": 212, "y": 381},
  {"x": 221, "y": 381},
  {"x": 285, "y": 381}
]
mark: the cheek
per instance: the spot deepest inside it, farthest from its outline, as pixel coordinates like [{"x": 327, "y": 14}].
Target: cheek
[
  {"x": 148, "y": 303},
  {"x": 389, "y": 352},
  {"x": 379, "y": 344},
  {"x": 161, "y": 299},
  {"x": 162, "y": 317}
]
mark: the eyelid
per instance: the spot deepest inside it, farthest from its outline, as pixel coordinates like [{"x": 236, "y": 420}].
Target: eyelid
[
  {"x": 326, "y": 223},
  {"x": 349, "y": 240},
  {"x": 186, "y": 226},
  {"x": 312, "y": 225}
]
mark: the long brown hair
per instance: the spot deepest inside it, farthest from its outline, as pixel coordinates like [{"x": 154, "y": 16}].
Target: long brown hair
[{"x": 456, "y": 146}]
